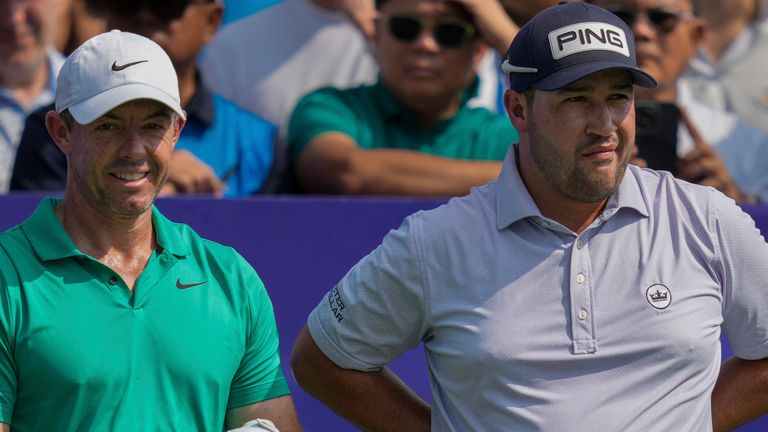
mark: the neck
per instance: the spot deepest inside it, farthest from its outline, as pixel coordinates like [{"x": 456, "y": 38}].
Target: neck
[
  {"x": 187, "y": 83},
  {"x": 553, "y": 204},
  {"x": 26, "y": 84},
  {"x": 117, "y": 242},
  {"x": 429, "y": 116},
  {"x": 721, "y": 35}
]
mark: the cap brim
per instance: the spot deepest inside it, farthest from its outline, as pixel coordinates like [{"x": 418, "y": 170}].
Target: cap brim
[
  {"x": 573, "y": 73},
  {"x": 90, "y": 109}
]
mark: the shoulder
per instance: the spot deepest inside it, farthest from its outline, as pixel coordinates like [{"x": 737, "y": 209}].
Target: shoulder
[
  {"x": 235, "y": 116},
  {"x": 339, "y": 95},
  {"x": 683, "y": 204},
  {"x": 206, "y": 252},
  {"x": 334, "y": 103},
  {"x": 488, "y": 122},
  {"x": 458, "y": 219}
]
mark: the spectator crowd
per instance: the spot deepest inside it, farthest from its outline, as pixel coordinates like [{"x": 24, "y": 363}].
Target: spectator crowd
[{"x": 356, "y": 97}]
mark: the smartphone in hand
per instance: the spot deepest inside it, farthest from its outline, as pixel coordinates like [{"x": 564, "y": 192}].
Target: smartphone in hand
[{"x": 656, "y": 134}]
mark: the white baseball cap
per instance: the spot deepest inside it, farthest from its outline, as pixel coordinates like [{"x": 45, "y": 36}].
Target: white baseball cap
[{"x": 111, "y": 69}]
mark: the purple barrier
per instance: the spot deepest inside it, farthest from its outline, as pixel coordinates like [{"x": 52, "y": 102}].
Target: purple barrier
[{"x": 301, "y": 247}]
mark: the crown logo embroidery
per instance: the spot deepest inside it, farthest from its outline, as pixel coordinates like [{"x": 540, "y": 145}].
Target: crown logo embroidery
[{"x": 658, "y": 296}]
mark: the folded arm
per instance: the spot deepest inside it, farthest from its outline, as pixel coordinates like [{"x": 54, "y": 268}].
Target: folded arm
[{"x": 333, "y": 163}]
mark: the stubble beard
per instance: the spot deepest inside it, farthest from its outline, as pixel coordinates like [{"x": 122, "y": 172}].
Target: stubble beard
[{"x": 561, "y": 171}]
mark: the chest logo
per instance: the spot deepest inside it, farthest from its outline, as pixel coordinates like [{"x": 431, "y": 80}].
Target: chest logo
[
  {"x": 182, "y": 286},
  {"x": 658, "y": 296}
]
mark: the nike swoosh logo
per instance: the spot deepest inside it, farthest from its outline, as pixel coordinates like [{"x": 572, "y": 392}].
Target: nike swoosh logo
[
  {"x": 118, "y": 68},
  {"x": 180, "y": 285}
]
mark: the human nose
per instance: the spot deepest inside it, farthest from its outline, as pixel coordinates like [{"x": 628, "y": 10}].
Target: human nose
[
  {"x": 642, "y": 27},
  {"x": 133, "y": 146},
  {"x": 13, "y": 11},
  {"x": 426, "y": 40},
  {"x": 601, "y": 120}
]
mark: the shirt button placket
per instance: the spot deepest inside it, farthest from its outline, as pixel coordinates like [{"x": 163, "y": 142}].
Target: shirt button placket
[{"x": 581, "y": 299}]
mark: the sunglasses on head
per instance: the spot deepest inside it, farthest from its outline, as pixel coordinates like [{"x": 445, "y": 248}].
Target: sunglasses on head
[
  {"x": 448, "y": 33},
  {"x": 663, "y": 20}
]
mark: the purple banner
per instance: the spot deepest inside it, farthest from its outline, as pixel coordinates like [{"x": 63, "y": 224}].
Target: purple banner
[{"x": 301, "y": 247}]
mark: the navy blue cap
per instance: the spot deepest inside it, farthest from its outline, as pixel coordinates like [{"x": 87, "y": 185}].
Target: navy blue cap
[{"x": 568, "y": 42}]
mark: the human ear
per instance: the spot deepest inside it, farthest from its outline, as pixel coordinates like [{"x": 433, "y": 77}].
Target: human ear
[
  {"x": 517, "y": 108},
  {"x": 213, "y": 18},
  {"x": 58, "y": 131}
]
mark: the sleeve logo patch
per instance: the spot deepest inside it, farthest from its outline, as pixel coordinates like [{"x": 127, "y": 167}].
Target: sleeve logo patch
[
  {"x": 591, "y": 36},
  {"x": 336, "y": 304}
]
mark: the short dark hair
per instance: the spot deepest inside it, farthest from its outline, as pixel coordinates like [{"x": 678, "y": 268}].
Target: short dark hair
[
  {"x": 529, "y": 94},
  {"x": 67, "y": 118}
]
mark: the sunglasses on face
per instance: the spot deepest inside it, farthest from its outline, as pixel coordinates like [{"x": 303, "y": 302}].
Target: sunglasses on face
[
  {"x": 663, "y": 20},
  {"x": 448, "y": 33}
]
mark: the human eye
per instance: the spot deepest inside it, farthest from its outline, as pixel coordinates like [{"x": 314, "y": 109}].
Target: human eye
[
  {"x": 156, "y": 126},
  {"x": 621, "y": 96},
  {"x": 576, "y": 99},
  {"x": 106, "y": 126}
]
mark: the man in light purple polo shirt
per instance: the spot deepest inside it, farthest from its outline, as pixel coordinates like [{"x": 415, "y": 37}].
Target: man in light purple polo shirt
[{"x": 574, "y": 293}]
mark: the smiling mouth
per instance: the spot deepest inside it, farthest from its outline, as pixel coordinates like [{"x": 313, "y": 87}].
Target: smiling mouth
[{"x": 130, "y": 177}]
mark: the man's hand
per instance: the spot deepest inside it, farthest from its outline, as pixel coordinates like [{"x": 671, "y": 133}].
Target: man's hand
[
  {"x": 189, "y": 175},
  {"x": 704, "y": 166},
  {"x": 362, "y": 12},
  {"x": 493, "y": 23}
]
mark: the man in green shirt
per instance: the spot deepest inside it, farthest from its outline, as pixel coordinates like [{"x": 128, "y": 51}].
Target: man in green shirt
[
  {"x": 111, "y": 316},
  {"x": 413, "y": 132}
]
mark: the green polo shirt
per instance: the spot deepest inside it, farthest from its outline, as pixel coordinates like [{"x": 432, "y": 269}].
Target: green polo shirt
[
  {"x": 372, "y": 117},
  {"x": 79, "y": 351}
]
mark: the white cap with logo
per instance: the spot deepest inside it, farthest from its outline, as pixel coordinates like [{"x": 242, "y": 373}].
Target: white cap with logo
[{"x": 111, "y": 69}]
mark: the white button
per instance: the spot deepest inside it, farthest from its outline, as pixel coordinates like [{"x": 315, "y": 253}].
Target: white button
[
  {"x": 580, "y": 278},
  {"x": 579, "y": 244},
  {"x": 583, "y": 314}
]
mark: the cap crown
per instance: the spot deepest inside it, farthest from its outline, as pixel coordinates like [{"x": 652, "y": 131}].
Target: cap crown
[
  {"x": 111, "y": 69},
  {"x": 564, "y": 43}
]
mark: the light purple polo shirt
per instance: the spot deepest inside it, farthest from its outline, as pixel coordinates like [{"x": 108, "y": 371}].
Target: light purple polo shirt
[{"x": 528, "y": 327}]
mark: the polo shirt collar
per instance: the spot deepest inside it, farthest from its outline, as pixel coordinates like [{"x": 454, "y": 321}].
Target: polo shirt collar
[
  {"x": 390, "y": 107},
  {"x": 513, "y": 202},
  {"x": 50, "y": 241},
  {"x": 200, "y": 106}
]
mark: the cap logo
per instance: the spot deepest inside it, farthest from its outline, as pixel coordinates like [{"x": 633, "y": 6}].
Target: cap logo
[
  {"x": 117, "y": 68},
  {"x": 590, "y": 36}
]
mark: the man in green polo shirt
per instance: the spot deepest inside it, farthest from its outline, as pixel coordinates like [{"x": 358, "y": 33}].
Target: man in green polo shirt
[
  {"x": 113, "y": 318},
  {"x": 413, "y": 132}
]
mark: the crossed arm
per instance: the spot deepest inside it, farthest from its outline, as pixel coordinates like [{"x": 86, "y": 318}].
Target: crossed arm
[
  {"x": 333, "y": 163},
  {"x": 373, "y": 401}
]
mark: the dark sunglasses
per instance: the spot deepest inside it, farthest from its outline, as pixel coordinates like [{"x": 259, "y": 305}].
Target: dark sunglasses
[
  {"x": 448, "y": 33},
  {"x": 663, "y": 20}
]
